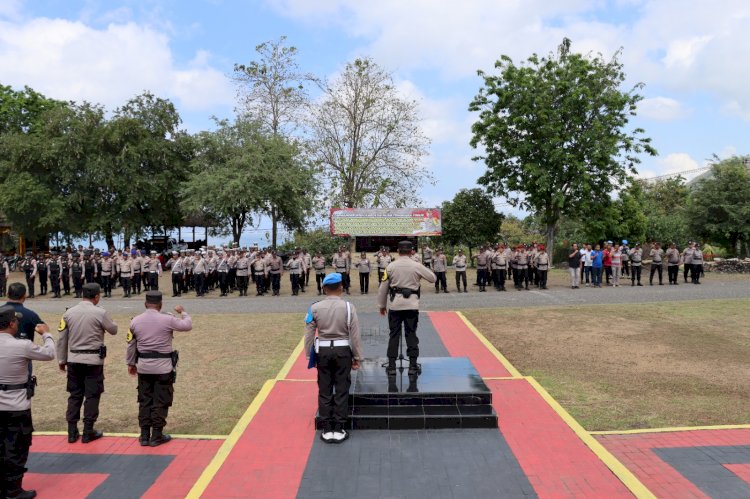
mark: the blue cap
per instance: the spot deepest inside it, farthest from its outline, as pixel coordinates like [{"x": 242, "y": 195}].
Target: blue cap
[
  {"x": 133, "y": 252},
  {"x": 334, "y": 278},
  {"x": 624, "y": 241},
  {"x": 106, "y": 253}
]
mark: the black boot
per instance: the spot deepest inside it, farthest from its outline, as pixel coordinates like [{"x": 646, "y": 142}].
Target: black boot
[
  {"x": 414, "y": 367},
  {"x": 73, "y": 433},
  {"x": 14, "y": 489},
  {"x": 391, "y": 369},
  {"x": 158, "y": 438},
  {"x": 145, "y": 438},
  {"x": 90, "y": 434}
]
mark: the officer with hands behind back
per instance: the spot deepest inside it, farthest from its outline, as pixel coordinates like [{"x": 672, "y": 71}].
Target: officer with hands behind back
[
  {"x": 81, "y": 352},
  {"x": 150, "y": 356},
  {"x": 401, "y": 281},
  {"x": 16, "y": 390},
  {"x": 339, "y": 350}
]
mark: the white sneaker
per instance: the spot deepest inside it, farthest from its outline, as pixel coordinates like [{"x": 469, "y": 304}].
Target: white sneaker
[
  {"x": 327, "y": 437},
  {"x": 339, "y": 436}
]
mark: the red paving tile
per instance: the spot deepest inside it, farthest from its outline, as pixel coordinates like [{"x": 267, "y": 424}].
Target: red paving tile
[
  {"x": 299, "y": 369},
  {"x": 547, "y": 448},
  {"x": 741, "y": 470},
  {"x": 270, "y": 456},
  {"x": 462, "y": 342},
  {"x": 635, "y": 451},
  {"x": 67, "y": 486},
  {"x": 190, "y": 459}
]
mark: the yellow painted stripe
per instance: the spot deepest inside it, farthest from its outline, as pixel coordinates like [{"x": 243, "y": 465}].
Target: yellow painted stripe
[
  {"x": 213, "y": 467},
  {"x": 673, "y": 429},
  {"x": 291, "y": 360},
  {"x": 134, "y": 435},
  {"x": 494, "y": 351},
  {"x": 625, "y": 475}
]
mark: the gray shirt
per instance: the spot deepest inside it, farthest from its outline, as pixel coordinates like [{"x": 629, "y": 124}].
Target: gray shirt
[
  {"x": 82, "y": 328},
  {"x": 15, "y": 355},
  {"x": 329, "y": 318},
  {"x": 403, "y": 273}
]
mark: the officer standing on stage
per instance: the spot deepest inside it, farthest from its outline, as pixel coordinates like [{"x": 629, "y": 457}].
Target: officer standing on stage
[
  {"x": 401, "y": 283},
  {"x": 81, "y": 352},
  {"x": 16, "y": 391},
  {"x": 150, "y": 356},
  {"x": 339, "y": 350}
]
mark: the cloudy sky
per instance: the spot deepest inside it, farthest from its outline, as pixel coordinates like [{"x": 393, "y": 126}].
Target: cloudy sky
[{"x": 691, "y": 54}]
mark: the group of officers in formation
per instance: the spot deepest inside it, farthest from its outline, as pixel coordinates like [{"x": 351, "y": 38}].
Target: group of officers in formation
[{"x": 81, "y": 352}]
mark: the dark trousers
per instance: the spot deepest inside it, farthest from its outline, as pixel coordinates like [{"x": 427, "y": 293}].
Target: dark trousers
[
  {"x": 587, "y": 273},
  {"x": 107, "y": 285},
  {"x": 441, "y": 282},
  {"x": 42, "y": 283},
  {"x": 408, "y": 320},
  {"x": 126, "y": 283},
  {"x": 635, "y": 275},
  {"x": 542, "y": 278},
  {"x": 153, "y": 281},
  {"x": 276, "y": 283},
  {"x": 3, "y": 285},
  {"x": 460, "y": 277},
  {"x": 200, "y": 283},
  {"x": 66, "y": 282},
  {"x": 319, "y": 281},
  {"x": 380, "y": 274},
  {"x": 85, "y": 381},
  {"x": 347, "y": 281},
  {"x": 334, "y": 373},
  {"x": 364, "y": 282},
  {"x": 15, "y": 439},
  {"x": 500, "y": 279},
  {"x": 596, "y": 276},
  {"x": 688, "y": 271},
  {"x": 137, "y": 282},
  {"x": 232, "y": 279},
  {"x": 155, "y": 395},
  {"x": 260, "y": 284},
  {"x": 626, "y": 267},
  {"x": 242, "y": 283},
  {"x": 654, "y": 269},
  {"x": 482, "y": 278},
  {"x": 177, "y": 283},
  {"x": 307, "y": 278},
  {"x": 224, "y": 282},
  {"x": 672, "y": 272},
  {"x": 54, "y": 281},
  {"x": 608, "y": 272},
  {"x": 78, "y": 285},
  {"x": 89, "y": 276},
  {"x": 30, "y": 285},
  {"x": 295, "y": 280},
  {"x": 697, "y": 271}
]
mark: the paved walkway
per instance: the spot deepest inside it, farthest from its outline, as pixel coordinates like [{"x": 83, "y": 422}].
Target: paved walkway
[{"x": 539, "y": 450}]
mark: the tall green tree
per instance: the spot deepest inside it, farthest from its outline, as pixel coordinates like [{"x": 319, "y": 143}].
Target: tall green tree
[
  {"x": 665, "y": 206},
  {"x": 368, "y": 139},
  {"x": 470, "y": 219},
  {"x": 22, "y": 110},
  {"x": 554, "y": 132},
  {"x": 720, "y": 204}
]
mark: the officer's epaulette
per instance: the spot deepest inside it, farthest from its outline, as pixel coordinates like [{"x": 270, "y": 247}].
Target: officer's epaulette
[{"x": 309, "y": 316}]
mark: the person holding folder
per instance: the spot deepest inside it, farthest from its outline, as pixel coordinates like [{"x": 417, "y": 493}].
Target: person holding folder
[{"x": 336, "y": 350}]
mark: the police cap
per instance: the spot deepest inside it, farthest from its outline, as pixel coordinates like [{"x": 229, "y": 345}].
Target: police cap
[
  {"x": 331, "y": 279},
  {"x": 7, "y": 314},
  {"x": 91, "y": 289},
  {"x": 153, "y": 297},
  {"x": 405, "y": 246}
]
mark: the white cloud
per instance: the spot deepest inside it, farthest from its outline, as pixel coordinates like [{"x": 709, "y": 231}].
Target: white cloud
[
  {"x": 682, "y": 53},
  {"x": 10, "y": 9},
  {"x": 70, "y": 60},
  {"x": 661, "y": 109}
]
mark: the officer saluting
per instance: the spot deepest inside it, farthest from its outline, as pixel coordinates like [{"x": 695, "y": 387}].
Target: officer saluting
[
  {"x": 81, "y": 351},
  {"x": 16, "y": 390},
  {"x": 401, "y": 281},
  {"x": 151, "y": 357},
  {"x": 339, "y": 350}
]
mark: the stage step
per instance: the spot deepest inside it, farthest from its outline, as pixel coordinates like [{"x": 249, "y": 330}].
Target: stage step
[{"x": 449, "y": 394}]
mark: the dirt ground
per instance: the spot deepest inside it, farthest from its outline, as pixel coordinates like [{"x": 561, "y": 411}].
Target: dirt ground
[
  {"x": 617, "y": 367},
  {"x": 224, "y": 361}
]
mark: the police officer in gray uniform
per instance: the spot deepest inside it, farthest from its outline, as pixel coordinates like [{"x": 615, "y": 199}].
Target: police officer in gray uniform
[
  {"x": 401, "y": 282},
  {"x": 339, "y": 350},
  {"x": 16, "y": 390},
  {"x": 81, "y": 352}
]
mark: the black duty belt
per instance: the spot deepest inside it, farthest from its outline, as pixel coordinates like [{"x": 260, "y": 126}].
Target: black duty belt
[
  {"x": 86, "y": 351},
  {"x": 154, "y": 355},
  {"x": 405, "y": 292},
  {"x": 7, "y": 388}
]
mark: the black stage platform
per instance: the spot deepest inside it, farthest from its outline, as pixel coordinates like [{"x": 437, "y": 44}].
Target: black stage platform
[{"x": 449, "y": 393}]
